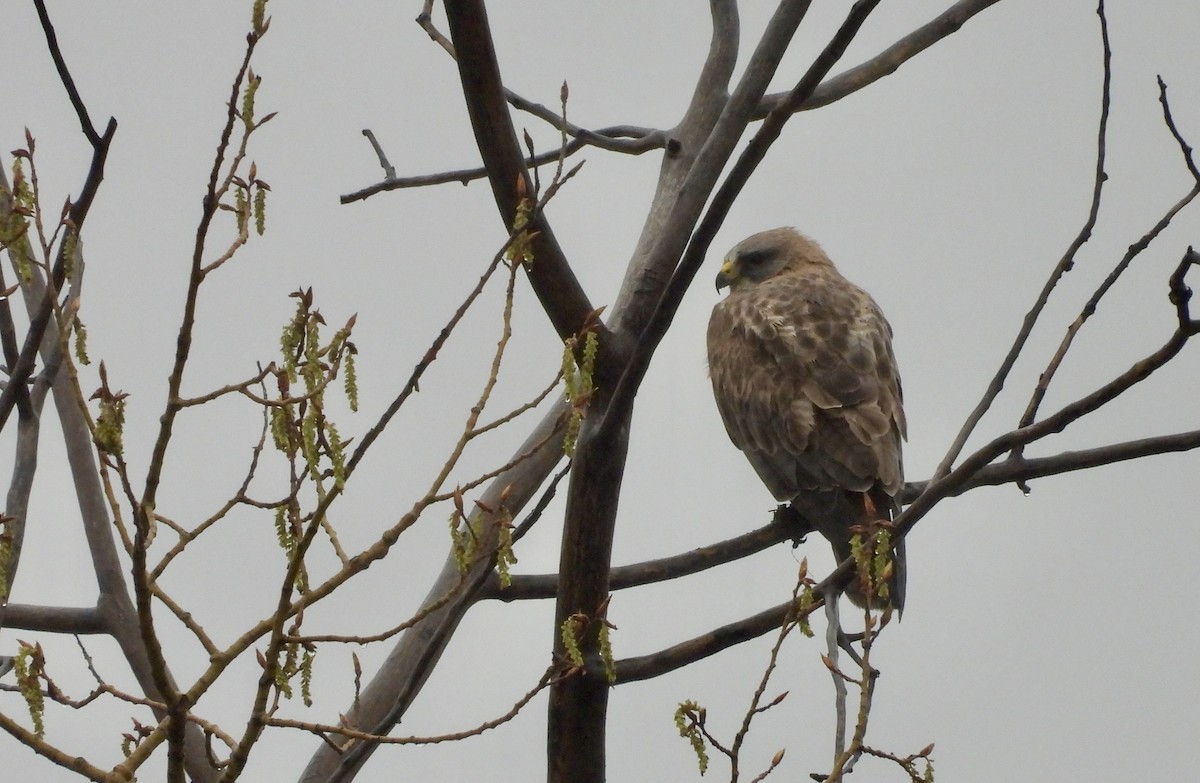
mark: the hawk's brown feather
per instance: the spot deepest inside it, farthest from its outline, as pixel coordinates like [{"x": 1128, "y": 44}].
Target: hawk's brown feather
[{"x": 805, "y": 379}]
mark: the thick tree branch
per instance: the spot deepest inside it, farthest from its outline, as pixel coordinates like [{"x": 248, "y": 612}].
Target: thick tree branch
[
  {"x": 29, "y": 407},
  {"x": 648, "y": 271},
  {"x": 402, "y": 675},
  {"x": 886, "y": 62},
  {"x": 114, "y": 610},
  {"x": 55, "y": 619},
  {"x": 552, "y": 278},
  {"x": 782, "y": 528}
]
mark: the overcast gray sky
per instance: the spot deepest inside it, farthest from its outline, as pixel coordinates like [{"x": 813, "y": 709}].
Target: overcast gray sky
[{"x": 1046, "y": 637}]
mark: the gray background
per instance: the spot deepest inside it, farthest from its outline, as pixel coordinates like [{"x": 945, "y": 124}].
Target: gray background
[{"x": 1048, "y": 637}]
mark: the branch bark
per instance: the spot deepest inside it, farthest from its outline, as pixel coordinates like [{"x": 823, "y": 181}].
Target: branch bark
[
  {"x": 394, "y": 687},
  {"x": 552, "y": 278}
]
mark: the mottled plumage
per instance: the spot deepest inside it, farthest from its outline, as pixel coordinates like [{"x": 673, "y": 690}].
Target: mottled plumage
[{"x": 806, "y": 382}]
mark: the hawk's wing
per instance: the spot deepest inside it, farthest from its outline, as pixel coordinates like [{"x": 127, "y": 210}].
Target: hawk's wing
[{"x": 806, "y": 382}]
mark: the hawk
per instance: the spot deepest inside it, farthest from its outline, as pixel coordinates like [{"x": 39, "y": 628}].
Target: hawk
[{"x": 806, "y": 382}]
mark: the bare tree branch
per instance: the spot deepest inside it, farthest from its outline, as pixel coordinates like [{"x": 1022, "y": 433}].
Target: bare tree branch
[
  {"x": 1011, "y": 470},
  {"x": 1093, "y": 302},
  {"x": 782, "y": 528},
  {"x": 74, "y": 763},
  {"x": 1184, "y": 147},
  {"x": 1065, "y": 264},
  {"x": 747, "y": 162},
  {"x": 1006, "y": 472},
  {"x": 55, "y": 619},
  {"x": 578, "y": 705},
  {"x": 640, "y": 140},
  {"x": 886, "y": 62}
]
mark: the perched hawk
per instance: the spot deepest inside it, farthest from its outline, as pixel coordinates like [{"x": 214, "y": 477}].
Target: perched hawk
[{"x": 804, "y": 376}]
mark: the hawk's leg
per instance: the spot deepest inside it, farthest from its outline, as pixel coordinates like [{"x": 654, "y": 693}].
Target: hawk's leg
[{"x": 798, "y": 525}]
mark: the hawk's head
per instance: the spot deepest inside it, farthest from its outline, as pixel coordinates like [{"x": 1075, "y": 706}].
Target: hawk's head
[{"x": 765, "y": 255}]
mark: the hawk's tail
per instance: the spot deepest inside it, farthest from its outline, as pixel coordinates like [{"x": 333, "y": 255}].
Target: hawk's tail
[{"x": 835, "y": 513}]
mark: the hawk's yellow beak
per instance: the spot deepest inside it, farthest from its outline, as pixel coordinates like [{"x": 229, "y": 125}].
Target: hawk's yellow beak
[{"x": 728, "y": 273}]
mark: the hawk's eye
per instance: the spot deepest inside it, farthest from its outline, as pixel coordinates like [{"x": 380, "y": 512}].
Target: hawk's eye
[{"x": 753, "y": 258}]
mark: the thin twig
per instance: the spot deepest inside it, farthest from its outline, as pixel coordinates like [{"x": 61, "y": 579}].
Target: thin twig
[
  {"x": 324, "y": 730},
  {"x": 1064, "y": 265},
  {"x": 431, "y": 355},
  {"x": 1089, "y": 308},
  {"x": 756, "y": 706},
  {"x": 833, "y": 627},
  {"x": 1093, "y": 303},
  {"x": 641, "y": 140},
  {"x": 389, "y": 171},
  {"x": 1184, "y": 147}
]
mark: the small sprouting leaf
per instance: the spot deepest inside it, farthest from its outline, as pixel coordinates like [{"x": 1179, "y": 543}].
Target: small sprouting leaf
[
  {"x": 569, "y": 632},
  {"x": 242, "y": 209},
  {"x": 258, "y": 17},
  {"x": 30, "y": 666},
  {"x": 306, "y": 667},
  {"x": 252, "y": 83},
  {"x": 81, "y": 353},
  {"x": 689, "y": 718},
  {"x": 504, "y": 548},
  {"x": 260, "y": 210},
  {"x": 606, "y": 653}
]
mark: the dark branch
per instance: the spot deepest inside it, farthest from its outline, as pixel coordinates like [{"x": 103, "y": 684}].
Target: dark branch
[
  {"x": 64, "y": 74},
  {"x": 645, "y": 667},
  {"x": 783, "y": 528},
  {"x": 552, "y": 278},
  {"x": 1014, "y": 470},
  {"x": 1181, "y": 295},
  {"x": 1183, "y": 145}
]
